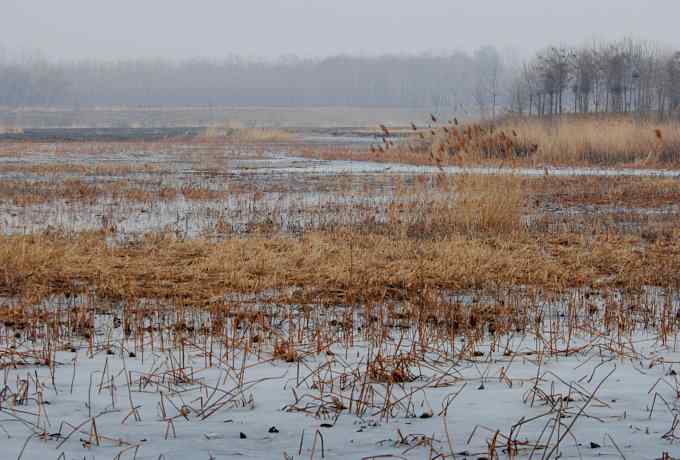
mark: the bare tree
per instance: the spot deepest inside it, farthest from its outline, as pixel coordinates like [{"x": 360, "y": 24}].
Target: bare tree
[
  {"x": 673, "y": 84},
  {"x": 584, "y": 71},
  {"x": 489, "y": 69},
  {"x": 624, "y": 76},
  {"x": 553, "y": 69}
]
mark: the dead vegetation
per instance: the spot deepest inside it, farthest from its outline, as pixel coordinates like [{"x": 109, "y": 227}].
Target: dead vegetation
[
  {"x": 77, "y": 191},
  {"x": 238, "y": 132},
  {"x": 603, "y": 141},
  {"x": 392, "y": 297},
  {"x": 599, "y": 141}
]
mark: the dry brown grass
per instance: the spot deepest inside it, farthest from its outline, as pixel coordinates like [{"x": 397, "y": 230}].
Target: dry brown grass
[
  {"x": 89, "y": 148},
  {"x": 5, "y": 129},
  {"x": 101, "y": 169},
  {"x": 238, "y": 132},
  {"x": 571, "y": 141},
  {"x": 453, "y": 233},
  {"x": 489, "y": 204},
  {"x": 367, "y": 303},
  {"x": 642, "y": 192},
  {"x": 321, "y": 264},
  {"x": 599, "y": 141},
  {"x": 77, "y": 191}
]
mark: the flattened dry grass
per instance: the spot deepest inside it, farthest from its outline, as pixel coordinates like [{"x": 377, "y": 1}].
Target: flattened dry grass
[
  {"x": 81, "y": 170},
  {"x": 5, "y": 129},
  {"x": 643, "y": 192},
  {"x": 21, "y": 149},
  {"x": 439, "y": 219},
  {"x": 25, "y": 193},
  {"x": 237, "y": 132},
  {"x": 370, "y": 265}
]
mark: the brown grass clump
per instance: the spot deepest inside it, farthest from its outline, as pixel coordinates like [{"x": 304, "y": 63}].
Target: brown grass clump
[
  {"x": 198, "y": 270},
  {"x": 285, "y": 351},
  {"x": 570, "y": 141},
  {"x": 440, "y": 206},
  {"x": 391, "y": 369},
  {"x": 599, "y": 141},
  {"x": 6, "y": 129},
  {"x": 100, "y": 169},
  {"x": 237, "y": 132},
  {"x": 21, "y": 149},
  {"x": 641, "y": 192},
  {"x": 22, "y": 193},
  {"x": 489, "y": 204}
]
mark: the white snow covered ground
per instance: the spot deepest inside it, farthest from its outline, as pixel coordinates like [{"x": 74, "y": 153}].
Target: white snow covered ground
[{"x": 613, "y": 398}]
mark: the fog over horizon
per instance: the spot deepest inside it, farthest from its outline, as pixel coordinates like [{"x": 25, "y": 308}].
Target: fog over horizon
[
  {"x": 486, "y": 58},
  {"x": 174, "y": 29}
]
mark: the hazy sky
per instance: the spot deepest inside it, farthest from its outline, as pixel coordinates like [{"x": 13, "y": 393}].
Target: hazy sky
[{"x": 110, "y": 29}]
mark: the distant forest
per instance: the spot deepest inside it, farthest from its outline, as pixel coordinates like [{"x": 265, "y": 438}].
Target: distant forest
[
  {"x": 622, "y": 76},
  {"x": 387, "y": 81}
]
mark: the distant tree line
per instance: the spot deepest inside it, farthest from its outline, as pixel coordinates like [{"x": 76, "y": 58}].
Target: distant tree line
[
  {"x": 627, "y": 76},
  {"x": 439, "y": 81}
]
